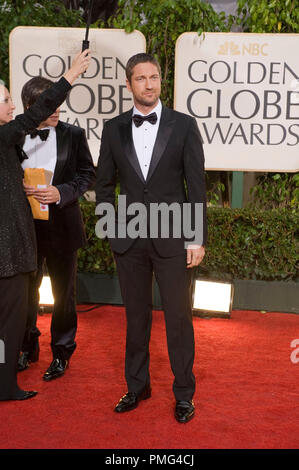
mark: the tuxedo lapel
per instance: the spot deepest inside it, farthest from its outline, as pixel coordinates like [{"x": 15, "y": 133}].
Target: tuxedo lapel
[
  {"x": 165, "y": 129},
  {"x": 128, "y": 144},
  {"x": 62, "y": 150}
]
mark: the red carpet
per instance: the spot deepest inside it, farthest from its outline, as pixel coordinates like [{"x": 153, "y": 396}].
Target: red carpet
[{"x": 247, "y": 392}]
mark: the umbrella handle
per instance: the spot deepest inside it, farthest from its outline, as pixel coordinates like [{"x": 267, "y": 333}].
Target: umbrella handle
[
  {"x": 85, "y": 42},
  {"x": 85, "y": 45}
]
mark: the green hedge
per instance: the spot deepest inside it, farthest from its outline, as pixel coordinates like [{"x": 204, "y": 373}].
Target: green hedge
[
  {"x": 253, "y": 244},
  {"x": 243, "y": 244}
]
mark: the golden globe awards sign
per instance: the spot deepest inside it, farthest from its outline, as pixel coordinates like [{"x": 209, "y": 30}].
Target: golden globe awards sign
[
  {"x": 243, "y": 90},
  {"x": 99, "y": 94}
]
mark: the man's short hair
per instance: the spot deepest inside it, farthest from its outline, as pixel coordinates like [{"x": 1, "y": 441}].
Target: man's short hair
[
  {"x": 33, "y": 88},
  {"x": 140, "y": 58}
]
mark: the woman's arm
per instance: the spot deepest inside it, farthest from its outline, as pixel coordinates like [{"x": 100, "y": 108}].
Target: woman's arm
[{"x": 13, "y": 132}]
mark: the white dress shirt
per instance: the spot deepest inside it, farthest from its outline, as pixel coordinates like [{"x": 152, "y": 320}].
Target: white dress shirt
[
  {"x": 144, "y": 138},
  {"x": 41, "y": 154}
]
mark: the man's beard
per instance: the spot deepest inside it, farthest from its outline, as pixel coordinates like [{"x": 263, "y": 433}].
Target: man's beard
[{"x": 148, "y": 103}]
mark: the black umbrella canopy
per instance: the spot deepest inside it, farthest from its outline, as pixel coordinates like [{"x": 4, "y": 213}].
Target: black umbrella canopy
[{"x": 102, "y": 9}]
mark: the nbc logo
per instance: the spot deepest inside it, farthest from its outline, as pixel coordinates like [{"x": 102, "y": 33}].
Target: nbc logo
[{"x": 231, "y": 48}]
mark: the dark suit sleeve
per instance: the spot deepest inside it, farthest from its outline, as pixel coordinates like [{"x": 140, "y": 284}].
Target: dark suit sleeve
[
  {"x": 195, "y": 173},
  {"x": 106, "y": 172},
  {"x": 13, "y": 132},
  {"x": 85, "y": 173}
]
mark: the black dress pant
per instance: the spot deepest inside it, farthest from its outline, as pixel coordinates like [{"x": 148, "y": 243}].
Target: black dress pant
[
  {"x": 13, "y": 310},
  {"x": 62, "y": 269},
  {"x": 135, "y": 269}
]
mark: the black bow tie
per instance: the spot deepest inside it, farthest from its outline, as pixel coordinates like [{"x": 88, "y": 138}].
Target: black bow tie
[
  {"x": 43, "y": 133},
  {"x": 139, "y": 120}
]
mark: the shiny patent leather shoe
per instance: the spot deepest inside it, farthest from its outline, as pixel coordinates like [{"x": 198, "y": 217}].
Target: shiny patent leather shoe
[
  {"x": 26, "y": 357},
  {"x": 56, "y": 369},
  {"x": 24, "y": 395},
  {"x": 184, "y": 411},
  {"x": 131, "y": 400}
]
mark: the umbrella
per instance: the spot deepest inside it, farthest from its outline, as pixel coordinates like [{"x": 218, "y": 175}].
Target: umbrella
[{"x": 85, "y": 42}]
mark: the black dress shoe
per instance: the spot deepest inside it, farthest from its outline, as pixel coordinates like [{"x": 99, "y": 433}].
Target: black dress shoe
[
  {"x": 24, "y": 395},
  {"x": 56, "y": 369},
  {"x": 184, "y": 411},
  {"x": 26, "y": 357},
  {"x": 131, "y": 399}
]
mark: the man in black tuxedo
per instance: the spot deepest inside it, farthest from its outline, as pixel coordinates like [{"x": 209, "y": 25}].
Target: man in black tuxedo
[
  {"x": 154, "y": 151},
  {"x": 62, "y": 149}
]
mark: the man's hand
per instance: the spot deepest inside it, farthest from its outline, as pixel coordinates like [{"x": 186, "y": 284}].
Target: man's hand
[
  {"x": 48, "y": 195},
  {"x": 195, "y": 255}
]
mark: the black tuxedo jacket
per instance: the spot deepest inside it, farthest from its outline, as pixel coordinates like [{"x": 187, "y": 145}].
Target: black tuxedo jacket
[
  {"x": 176, "y": 172},
  {"x": 74, "y": 174}
]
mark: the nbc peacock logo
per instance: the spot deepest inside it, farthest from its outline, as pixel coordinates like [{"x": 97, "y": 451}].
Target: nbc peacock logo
[{"x": 229, "y": 48}]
